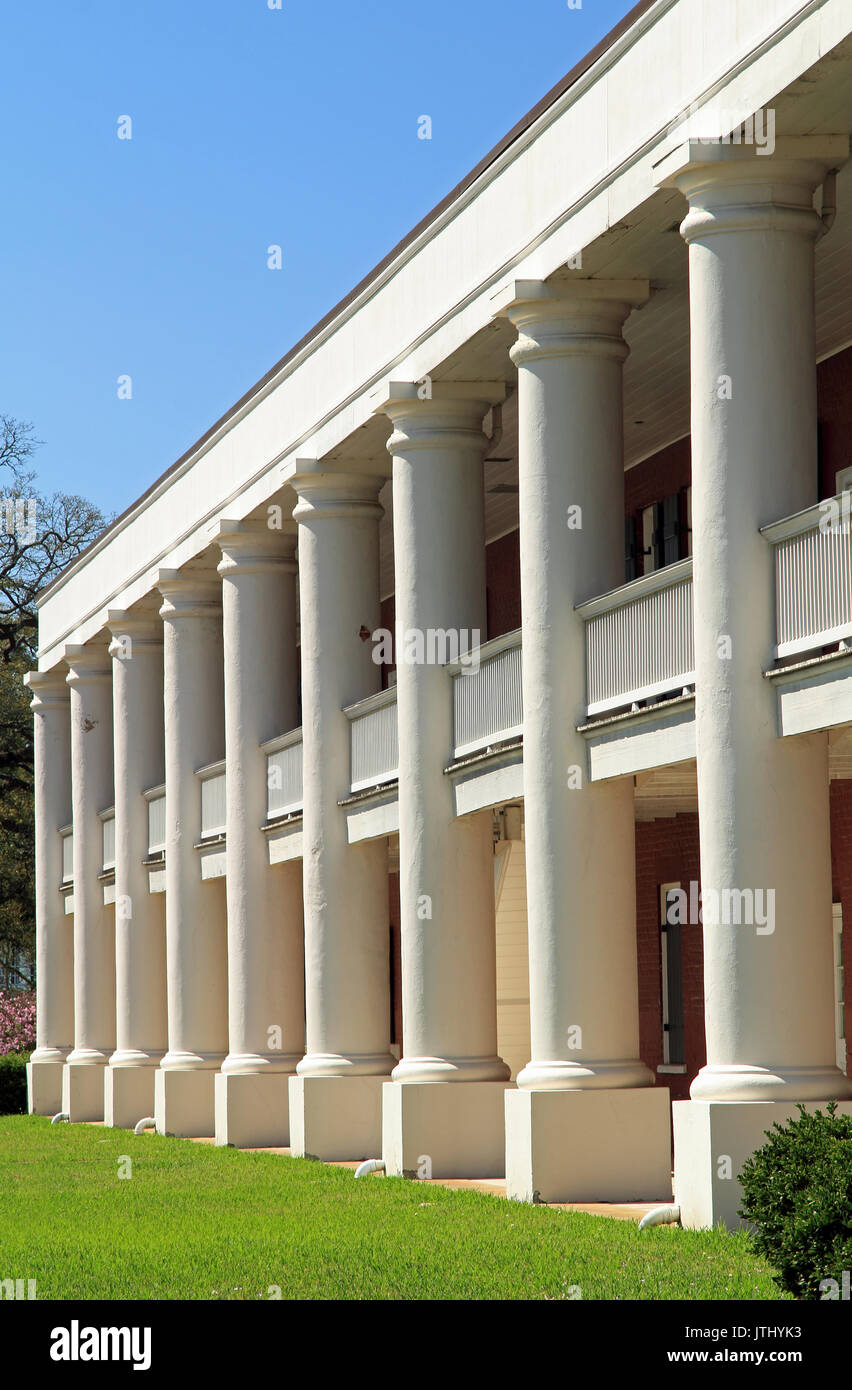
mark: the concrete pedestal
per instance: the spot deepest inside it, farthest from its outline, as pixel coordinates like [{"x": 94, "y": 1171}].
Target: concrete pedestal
[
  {"x": 444, "y": 1129},
  {"x": 336, "y": 1118},
  {"x": 589, "y": 1146},
  {"x": 83, "y": 1091},
  {"x": 44, "y": 1087},
  {"x": 252, "y": 1110},
  {"x": 128, "y": 1095},
  {"x": 184, "y": 1103},
  {"x": 712, "y": 1141}
]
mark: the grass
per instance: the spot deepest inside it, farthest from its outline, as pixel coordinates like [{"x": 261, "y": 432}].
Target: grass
[{"x": 197, "y": 1222}]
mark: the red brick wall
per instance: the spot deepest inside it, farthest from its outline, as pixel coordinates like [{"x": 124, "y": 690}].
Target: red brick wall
[
  {"x": 388, "y": 620},
  {"x": 503, "y": 581},
  {"x": 841, "y": 880},
  {"x": 395, "y": 959},
  {"x": 667, "y": 852},
  {"x": 503, "y": 591},
  {"x": 658, "y": 477},
  {"x": 834, "y": 411}
]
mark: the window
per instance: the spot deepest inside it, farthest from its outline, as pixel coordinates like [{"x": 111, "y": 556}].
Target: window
[
  {"x": 674, "y": 1051},
  {"x": 839, "y": 986},
  {"x": 660, "y": 533}
]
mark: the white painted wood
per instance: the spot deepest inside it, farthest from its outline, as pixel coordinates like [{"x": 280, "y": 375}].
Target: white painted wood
[
  {"x": 156, "y": 823},
  {"x": 639, "y": 639},
  {"x": 821, "y": 699},
  {"x": 374, "y": 755},
  {"x": 487, "y": 695},
  {"x": 67, "y": 837},
  {"x": 213, "y": 805},
  {"x": 108, "y": 840},
  {"x": 635, "y": 747}
]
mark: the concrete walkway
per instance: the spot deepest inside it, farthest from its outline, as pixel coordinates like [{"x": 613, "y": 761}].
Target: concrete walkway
[{"x": 492, "y": 1187}]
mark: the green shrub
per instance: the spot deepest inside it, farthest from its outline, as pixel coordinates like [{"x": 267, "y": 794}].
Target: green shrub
[
  {"x": 797, "y": 1190},
  {"x": 13, "y": 1083}
]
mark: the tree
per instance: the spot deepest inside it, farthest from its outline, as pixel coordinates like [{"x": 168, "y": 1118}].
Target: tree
[{"x": 39, "y": 536}]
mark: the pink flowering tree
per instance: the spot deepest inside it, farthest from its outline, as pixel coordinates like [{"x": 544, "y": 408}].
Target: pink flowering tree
[{"x": 17, "y": 1021}]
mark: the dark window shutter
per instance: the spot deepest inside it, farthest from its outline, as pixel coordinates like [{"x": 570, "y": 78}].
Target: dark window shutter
[
  {"x": 674, "y": 983},
  {"x": 669, "y": 530},
  {"x": 630, "y": 566}
]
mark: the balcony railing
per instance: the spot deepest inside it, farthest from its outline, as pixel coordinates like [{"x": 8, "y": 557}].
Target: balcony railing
[
  {"x": 156, "y": 799},
  {"x": 284, "y": 774},
  {"x": 639, "y": 642},
  {"x": 67, "y": 835},
  {"x": 813, "y": 577},
  {"x": 108, "y": 840},
  {"x": 213, "y": 803},
  {"x": 374, "y": 740},
  {"x": 487, "y": 695}
]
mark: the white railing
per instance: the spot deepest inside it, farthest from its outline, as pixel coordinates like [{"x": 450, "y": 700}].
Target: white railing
[
  {"x": 156, "y": 799},
  {"x": 374, "y": 740},
  {"x": 487, "y": 695},
  {"x": 639, "y": 641},
  {"x": 67, "y": 835},
  {"x": 283, "y": 774},
  {"x": 213, "y": 803},
  {"x": 813, "y": 577},
  {"x": 108, "y": 839}
]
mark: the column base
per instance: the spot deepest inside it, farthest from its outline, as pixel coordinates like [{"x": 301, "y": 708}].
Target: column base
[
  {"x": 336, "y": 1118},
  {"x": 184, "y": 1103},
  {"x": 128, "y": 1095},
  {"x": 44, "y": 1087},
  {"x": 714, "y": 1138},
  {"x": 444, "y": 1129},
  {"x": 589, "y": 1146},
  {"x": 83, "y": 1091},
  {"x": 252, "y": 1110}
]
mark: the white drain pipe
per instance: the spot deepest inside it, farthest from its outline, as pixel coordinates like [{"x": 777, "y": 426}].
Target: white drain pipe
[
  {"x": 149, "y": 1123},
  {"x": 62, "y": 1118},
  {"x": 660, "y": 1216},
  {"x": 371, "y": 1165}
]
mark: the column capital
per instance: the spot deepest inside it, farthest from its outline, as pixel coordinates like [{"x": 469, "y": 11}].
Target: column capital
[
  {"x": 189, "y": 593},
  {"x": 569, "y": 318},
  {"x": 324, "y": 493},
  {"x": 255, "y": 547},
  {"x": 132, "y": 628},
  {"x": 450, "y": 416},
  {"x": 49, "y": 689},
  {"x": 740, "y": 188},
  {"x": 87, "y": 664}
]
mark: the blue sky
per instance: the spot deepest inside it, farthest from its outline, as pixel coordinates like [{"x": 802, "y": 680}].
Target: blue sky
[{"x": 251, "y": 127}]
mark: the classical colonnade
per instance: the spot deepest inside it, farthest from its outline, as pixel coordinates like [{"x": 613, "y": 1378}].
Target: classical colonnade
[{"x": 174, "y": 1007}]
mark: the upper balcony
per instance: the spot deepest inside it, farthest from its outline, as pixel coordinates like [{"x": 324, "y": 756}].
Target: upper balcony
[
  {"x": 639, "y": 705},
  {"x": 640, "y": 674},
  {"x": 813, "y": 601}
]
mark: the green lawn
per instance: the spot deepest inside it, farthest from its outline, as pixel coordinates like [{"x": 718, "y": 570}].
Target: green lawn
[{"x": 198, "y": 1222}]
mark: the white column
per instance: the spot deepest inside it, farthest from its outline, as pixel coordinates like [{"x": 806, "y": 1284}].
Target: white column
[
  {"x": 763, "y": 800},
  {"x": 266, "y": 967},
  {"x": 140, "y": 924},
  {"x": 335, "y": 1101},
  {"x": 449, "y": 985},
  {"x": 90, "y": 680},
  {"x": 580, "y": 864},
  {"x": 196, "y": 927},
  {"x": 54, "y": 929}
]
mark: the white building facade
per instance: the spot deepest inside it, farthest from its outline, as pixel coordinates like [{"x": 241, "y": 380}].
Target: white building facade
[{"x": 299, "y": 885}]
